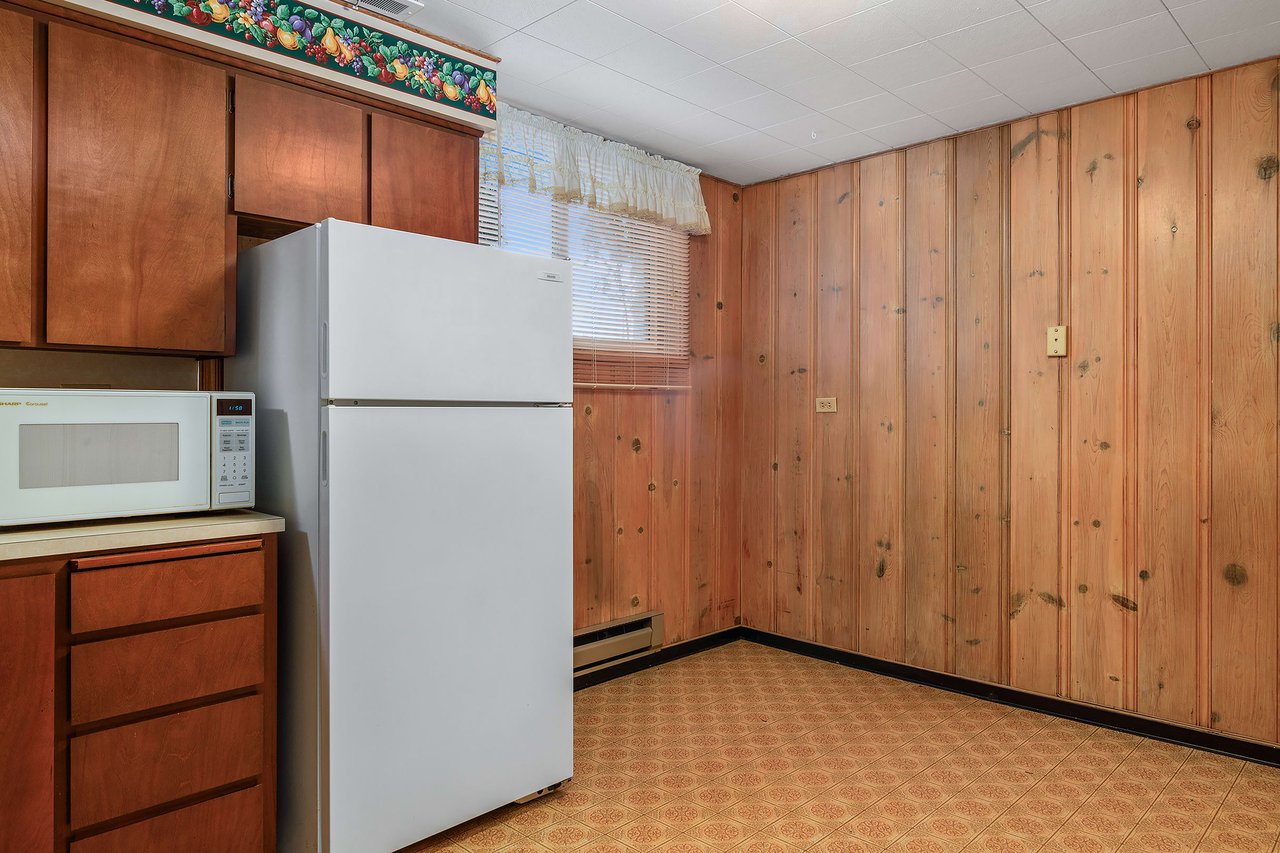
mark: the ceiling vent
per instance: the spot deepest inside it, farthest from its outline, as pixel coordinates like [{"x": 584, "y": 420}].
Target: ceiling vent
[{"x": 397, "y": 10}]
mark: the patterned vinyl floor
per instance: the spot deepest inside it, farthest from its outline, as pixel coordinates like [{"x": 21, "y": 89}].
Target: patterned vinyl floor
[{"x": 748, "y": 748}]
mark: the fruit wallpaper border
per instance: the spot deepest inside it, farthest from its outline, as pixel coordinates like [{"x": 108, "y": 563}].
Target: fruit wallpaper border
[{"x": 307, "y": 34}]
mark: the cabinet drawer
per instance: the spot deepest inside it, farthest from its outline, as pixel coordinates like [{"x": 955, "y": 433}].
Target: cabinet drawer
[
  {"x": 230, "y": 824},
  {"x": 167, "y": 588},
  {"x": 122, "y": 770},
  {"x": 120, "y": 676}
]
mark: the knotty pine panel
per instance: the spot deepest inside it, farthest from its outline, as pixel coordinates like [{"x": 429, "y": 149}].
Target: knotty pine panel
[
  {"x": 758, "y": 405},
  {"x": 926, "y": 546},
  {"x": 1245, "y": 330},
  {"x": 1101, "y": 604},
  {"x": 1037, "y": 154},
  {"x": 980, "y": 577},
  {"x": 729, "y": 422},
  {"x": 1169, "y": 147},
  {"x": 793, "y": 389},
  {"x": 835, "y": 433},
  {"x": 881, "y": 382},
  {"x": 632, "y": 477}
]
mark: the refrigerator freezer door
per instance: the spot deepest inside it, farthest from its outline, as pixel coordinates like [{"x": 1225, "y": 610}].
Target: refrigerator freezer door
[
  {"x": 450, "y": 685},
  {"x": 420, "y": 318}
]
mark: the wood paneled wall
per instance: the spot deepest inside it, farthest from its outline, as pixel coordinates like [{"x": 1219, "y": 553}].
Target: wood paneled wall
[
  {"x": 656, "y": 484},
  {"x": 1102, "y": 527}
]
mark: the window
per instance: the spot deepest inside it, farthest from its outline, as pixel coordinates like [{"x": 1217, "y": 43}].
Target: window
[{"x": 630, "y": 276}]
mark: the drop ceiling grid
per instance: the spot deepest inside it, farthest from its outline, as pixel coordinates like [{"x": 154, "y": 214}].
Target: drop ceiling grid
[{"x": 753, "y": 89}]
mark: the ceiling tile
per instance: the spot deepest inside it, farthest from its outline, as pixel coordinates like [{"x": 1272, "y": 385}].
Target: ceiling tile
[
  {"x": 846, "y": 147},
  {"x": 1134, "y": 40},
  {"x": 749, "y": 146},
  {"x": 980, "y": 113},
  {"x": 725, "y": 33},
  {"x": 514, "y": 13},
  {"x": 1070, "y": 18},
  {"x": 451, "y": 21},
  {"x": 749, "y": 173},
  {"x": 541, "y": 100},
  {"x": 718, "y": 86},
  {"x": 655, "y": 60},
  {"x": 909, "y": 131},
  {"x": 638, "y": 133},
  {"x": 1039, "y": 66},
  {"x": 791, "y": 161},
  {"x": 862, "y": 36},
  {"x": 934, "y": 17},
  {"x": 808, "y": 129},
  {"x": 842, "y": 87},
  {"x": 995, "y": 39},
  {"x": 659, "y": 14},
  {"x": 592, "y": 86},
  {"x": 534, "y": 60},
  {"x": 708, "y": 128},
  {"x": 587, "y": 29},
  {"x": 798, "y": 16},
  {"x": 1214, "y": 18},
  {"x": 763, "y": 110},
  {"x": 1233, "y": 49},
  {"x": 908, "y": 66},
  {"x": 783, "y": 64},
  {"x": 1152, "y": 70},
  {"x": 960, "y": 87},
  {"x": 873, "y": 112},
  {"x": 988, "y": 110},
  {"x": 1061, "y": 92}
]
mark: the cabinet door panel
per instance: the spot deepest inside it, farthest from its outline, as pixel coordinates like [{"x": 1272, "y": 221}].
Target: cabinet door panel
[
  {"x": 137, "y": 240},
  {"x": 27, "y": 613},
  {"x": 423, "y": 179},
  {"x": 298, "y": 156},
  {"x": 17, "y": 105}
]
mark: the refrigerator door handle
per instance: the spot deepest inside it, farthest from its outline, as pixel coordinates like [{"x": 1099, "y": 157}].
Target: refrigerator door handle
[{"x": 324, "y": 457}]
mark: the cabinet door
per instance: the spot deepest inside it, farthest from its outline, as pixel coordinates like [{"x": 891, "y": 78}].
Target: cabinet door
[
  {"x": 137, "y": 238},
  {"x": 424, "y": 179},
  {"x": 298, "y": 156},
  {"x": 27, "y": 612},
  {"x": 17, "y": 105}
]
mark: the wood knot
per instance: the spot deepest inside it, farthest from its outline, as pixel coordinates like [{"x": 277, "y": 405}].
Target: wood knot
[
  {"x": 1193, "y": 123},
  {"x": 1235, "y": 574}
]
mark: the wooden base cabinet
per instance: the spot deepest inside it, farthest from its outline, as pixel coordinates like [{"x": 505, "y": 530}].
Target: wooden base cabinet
[{"x": 140, "y": 700}]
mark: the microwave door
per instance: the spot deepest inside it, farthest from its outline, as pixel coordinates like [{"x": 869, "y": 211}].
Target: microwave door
[{"x": 68, "y": 457}]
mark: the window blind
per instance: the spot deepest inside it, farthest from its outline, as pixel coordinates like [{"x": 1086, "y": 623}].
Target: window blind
[{"x": 630, "y": 276}]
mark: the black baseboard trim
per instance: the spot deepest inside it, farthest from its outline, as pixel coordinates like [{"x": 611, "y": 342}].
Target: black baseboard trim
[
  {"x": 666, "y": 654},
  {"x": 1054, "y": 706},
  {"x": 1051, "y": 705}
]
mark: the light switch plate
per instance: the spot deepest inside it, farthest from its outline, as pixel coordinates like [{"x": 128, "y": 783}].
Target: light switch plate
[
  {"x": 1057, "y": 341},
  {"x": 826, "y": 404}
]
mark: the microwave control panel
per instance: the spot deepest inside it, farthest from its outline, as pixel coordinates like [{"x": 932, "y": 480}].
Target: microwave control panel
[{"x": 233, "y": 450}]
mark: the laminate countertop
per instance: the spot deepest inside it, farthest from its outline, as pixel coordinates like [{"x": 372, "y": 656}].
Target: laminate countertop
[{"x": 52, "y": 540}]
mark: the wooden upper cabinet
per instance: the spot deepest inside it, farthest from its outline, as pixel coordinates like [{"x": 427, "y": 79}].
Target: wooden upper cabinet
[
  {"x": 424, "y": 179},
  {"x": 298, "y": 156},
  {"x": 17, "y": 106},
  {"x": 137, "y": 226},
  {"x": 28, "y": 616}
]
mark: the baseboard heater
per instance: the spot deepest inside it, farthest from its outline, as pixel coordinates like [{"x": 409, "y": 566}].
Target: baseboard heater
[{"x": 616, "y": 641}]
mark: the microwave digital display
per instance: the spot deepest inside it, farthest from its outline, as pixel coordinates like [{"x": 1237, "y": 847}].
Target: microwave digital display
[{"x": 235, "y": 407}]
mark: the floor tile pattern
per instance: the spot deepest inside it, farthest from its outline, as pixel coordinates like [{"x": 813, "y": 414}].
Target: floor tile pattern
[{"x": 748, "y": 748}]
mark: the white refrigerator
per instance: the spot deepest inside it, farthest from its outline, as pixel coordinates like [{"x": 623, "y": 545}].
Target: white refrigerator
[{"x": 415, "y": 430}]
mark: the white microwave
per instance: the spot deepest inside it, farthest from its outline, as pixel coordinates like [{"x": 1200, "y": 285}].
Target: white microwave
[{"x": 70, "y": 455}]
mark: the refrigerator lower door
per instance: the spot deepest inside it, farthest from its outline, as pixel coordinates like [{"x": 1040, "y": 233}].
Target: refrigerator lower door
[{"x": 449, "y": 631}]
